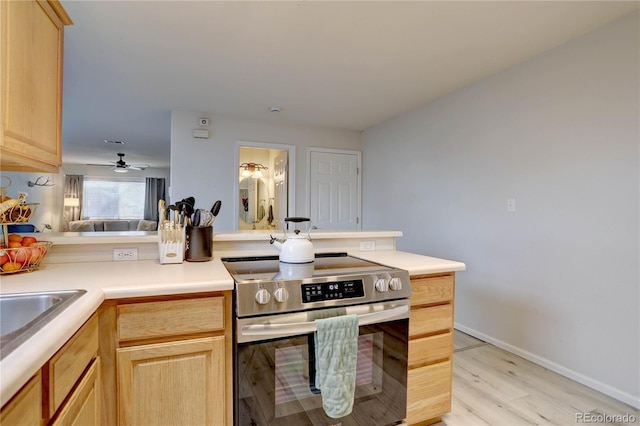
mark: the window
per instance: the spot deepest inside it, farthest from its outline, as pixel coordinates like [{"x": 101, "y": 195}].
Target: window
[{"x": 112, "y": 198}]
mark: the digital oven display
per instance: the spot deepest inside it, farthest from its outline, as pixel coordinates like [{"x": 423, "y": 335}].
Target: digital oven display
[{"x": 332, "y": 291}]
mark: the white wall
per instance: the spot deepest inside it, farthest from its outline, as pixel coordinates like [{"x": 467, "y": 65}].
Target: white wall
[
  {"x": 205, "y": 168},
  {"x": 50, "y": 208},
  {"x": 557, "y": 280}
]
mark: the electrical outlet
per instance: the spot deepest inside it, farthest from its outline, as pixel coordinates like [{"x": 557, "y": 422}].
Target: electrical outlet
[
  {"x": 511, "y": 205},
  {"x": 367, "y": 245},
  {"x": 120, "y": 254}
]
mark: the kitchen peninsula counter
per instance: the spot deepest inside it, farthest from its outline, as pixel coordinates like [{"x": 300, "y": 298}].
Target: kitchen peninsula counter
[
  {"x": 102, "y": 280},
  {"x": 105, "y": 280}
]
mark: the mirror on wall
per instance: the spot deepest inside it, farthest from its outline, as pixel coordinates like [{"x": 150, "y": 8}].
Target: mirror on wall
[
  {"x": 256, "y": 202},
  {"x": 264, "y": 194}
]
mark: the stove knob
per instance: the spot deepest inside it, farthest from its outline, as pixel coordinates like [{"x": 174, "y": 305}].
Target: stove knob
[
  {"x": 382, "y": 285},
  {"x": 281, "y": 294},
  {"x": 263, "y": 296},
  {"x": 395, "y": 284}
]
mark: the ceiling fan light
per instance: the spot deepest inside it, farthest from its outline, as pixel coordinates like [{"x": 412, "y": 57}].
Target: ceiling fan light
[{"x": 120, "y": 170}]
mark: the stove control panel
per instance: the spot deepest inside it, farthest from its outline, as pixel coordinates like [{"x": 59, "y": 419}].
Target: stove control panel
[{"x": 332, "y": 291}]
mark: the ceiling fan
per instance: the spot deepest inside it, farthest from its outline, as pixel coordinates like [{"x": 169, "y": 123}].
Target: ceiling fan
[{"x": 121, "y": 166}]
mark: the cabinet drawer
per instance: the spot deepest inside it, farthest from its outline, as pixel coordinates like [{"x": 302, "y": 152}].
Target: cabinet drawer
[
  {"x": 428, "y": 392},
  {"x": 68, "y": 364},
  {"x": 150, "y": 320},
  {"x": 430, "y": 290},
  {"x": 25, "y": 409},
  {"x": 430, "y": 349},
  {"x": 430, "y": 320}
]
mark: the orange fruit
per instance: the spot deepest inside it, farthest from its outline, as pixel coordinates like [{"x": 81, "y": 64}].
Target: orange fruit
[
  {"x": 4, "y": 257},
  {"x": 15, "y": 238},
  {"x": 11, "y": 267},
  {"x": 29, "y": 241},
  {"x": 14, "y": 244}
]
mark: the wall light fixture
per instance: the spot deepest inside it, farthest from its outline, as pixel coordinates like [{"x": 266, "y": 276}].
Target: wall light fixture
[{"x": 252, "y": 169}]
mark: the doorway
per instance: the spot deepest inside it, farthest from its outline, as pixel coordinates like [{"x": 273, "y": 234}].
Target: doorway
[{"x": 264, "y": 185}]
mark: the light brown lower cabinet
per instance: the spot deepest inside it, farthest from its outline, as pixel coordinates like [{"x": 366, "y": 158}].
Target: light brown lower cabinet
[
  {"x": 83, "y": 407},
  {"x": 429, "y": 391},
  {"x": 25, "y": 408},
  {"x": 67, "y": 366},
  {"x": 168, "y": 360},
  {"x": 66, "y": 390},
  {"x": 430, "y": 348},
  {"x": 172, "y": 383}
]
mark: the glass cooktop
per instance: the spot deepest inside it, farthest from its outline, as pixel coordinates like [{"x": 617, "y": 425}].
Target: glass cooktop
[{"x": 269, "y": 268}]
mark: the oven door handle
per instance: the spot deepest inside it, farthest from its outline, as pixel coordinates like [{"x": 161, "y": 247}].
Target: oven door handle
[{"x": 295, "y": 328}]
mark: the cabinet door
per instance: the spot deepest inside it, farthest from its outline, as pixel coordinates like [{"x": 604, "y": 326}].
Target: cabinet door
[
  {"x": 83, "y": 406},
  {"x": 174, "y": 383},
  {"x": 25, "y": 409},
  {"x": 31, "y": 85}
]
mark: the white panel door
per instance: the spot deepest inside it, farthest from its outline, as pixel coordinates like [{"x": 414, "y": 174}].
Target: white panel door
[{"x": 334, "y": 190}]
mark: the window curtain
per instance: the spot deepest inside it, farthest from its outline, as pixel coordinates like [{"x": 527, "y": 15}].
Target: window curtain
[
  {"x": 154, "y": 191},
  {"x": 73, "y": 187}
]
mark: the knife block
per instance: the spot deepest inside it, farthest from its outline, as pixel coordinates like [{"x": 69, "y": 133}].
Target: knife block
[{"x": 171, "y": 243}]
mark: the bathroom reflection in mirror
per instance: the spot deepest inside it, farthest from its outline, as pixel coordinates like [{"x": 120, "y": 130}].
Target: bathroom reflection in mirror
[
  {"x": 264, "y": 190},
  {"x": 255, "y": 202}
]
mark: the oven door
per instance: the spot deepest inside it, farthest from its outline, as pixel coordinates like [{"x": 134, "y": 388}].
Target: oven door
[{"x": 275, "y": 368}]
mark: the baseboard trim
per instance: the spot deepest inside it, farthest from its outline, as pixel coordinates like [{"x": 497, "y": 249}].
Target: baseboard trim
[{"x": 557, "y": 368}]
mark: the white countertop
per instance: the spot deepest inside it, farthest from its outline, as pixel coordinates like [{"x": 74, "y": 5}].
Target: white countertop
[
  {"x": 102, "y": 280},
  {"x": 415, "y": 264},
  {"x": 113, "y": 280},
  {"x": 73, "y": 238}
]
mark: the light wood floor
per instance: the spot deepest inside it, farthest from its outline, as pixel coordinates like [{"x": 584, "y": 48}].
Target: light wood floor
[{"x": 495, "y": 387}]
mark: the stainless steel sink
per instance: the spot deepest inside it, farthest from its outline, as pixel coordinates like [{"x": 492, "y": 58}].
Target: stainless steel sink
[{"x": 23, "y": 314}]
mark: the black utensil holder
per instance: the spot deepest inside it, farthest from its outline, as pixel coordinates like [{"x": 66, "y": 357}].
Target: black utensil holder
[{"x": 198, "y": 243}]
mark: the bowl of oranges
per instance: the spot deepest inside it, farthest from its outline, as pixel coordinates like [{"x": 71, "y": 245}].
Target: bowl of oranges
[{"x": 22, "y": 254}]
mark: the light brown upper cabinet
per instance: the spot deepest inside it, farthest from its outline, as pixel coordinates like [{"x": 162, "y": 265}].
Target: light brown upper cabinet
[{"x": 31, "y": 84}]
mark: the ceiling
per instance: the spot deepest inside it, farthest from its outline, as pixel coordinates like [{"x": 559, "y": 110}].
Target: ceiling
[{"x": 342, "y": 64}]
